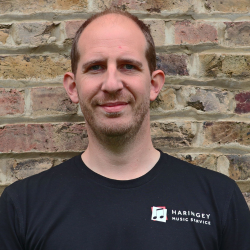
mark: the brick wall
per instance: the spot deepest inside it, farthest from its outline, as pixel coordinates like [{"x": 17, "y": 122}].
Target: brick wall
[{"x": 202, "y": 115}]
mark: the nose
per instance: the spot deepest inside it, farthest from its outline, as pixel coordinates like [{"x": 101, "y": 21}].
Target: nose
[{"x": 112, "y": 82}]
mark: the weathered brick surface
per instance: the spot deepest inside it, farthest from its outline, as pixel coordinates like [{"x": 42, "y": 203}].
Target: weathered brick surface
[
  {"x": 244, "y": 186},
  {"x": 5, "y": 171},
  {"x": 11, "y": 101},
  {"x": 204, "y": 54},
  {"x": 4, "y": 34},
  {"x": 148, "y": 5},
  {"x": 31, "y": 6},
  {"x": 203, "y": 99},
  {"x": 195, "y": 32},
  {"x": 157, "y": 28},
  {"x": 227, "y": 132},
  {"x": 201, "y": 160},
  {"x": 171, "y": 134},
  {"x": 223, "y": 165},
  {"x": 71, "y": 27},
  {"x": 33, "y": 66},
  {"x": 12, "y": 170},
  {"x": 50, "y": 101},
  {"x": 172, "y": 64},
  {"x": 214, "y": 65},
  {"x": 227, "y": 5},
  {"x": 239, "y": 168},
  {"x": 34, "y": 33},
  {"x": 237, "y": 33},
  {"x": 247, "y": 198},
  {"x": 242, "y": 103},
  {"x": 2, "y": 189},
  {"x": 43, "y": 138},
  {"x": 166, "y": 99}
]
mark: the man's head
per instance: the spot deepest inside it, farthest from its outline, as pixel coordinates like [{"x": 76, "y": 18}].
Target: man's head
[
  {"x": 150, "y": 49},
  {"x": 113, "y": 82}
]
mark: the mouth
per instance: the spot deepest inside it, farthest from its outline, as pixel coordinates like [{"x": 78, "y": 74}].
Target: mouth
[{"x": 113, "y": 107}]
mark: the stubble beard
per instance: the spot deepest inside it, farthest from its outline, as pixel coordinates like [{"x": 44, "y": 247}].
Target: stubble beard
[{"x": 113, "y": 134}]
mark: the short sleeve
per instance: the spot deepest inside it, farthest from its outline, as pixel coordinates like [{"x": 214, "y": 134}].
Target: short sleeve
[
  {"x": 9, "y": 224},
  {"x": 236, "y": 231}
]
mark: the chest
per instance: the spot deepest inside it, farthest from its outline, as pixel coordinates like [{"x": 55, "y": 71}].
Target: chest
[{"x": 123, "y": 219}]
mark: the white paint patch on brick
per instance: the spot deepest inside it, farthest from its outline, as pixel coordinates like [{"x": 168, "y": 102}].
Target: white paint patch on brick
[
  {"x": 220, "y": 26},
  {"x": 28, "y": 104},
  {"x": 199, "y": 6},
  {"x": 223, "y": 165},
  {"x": 197, "y": 130},
  {"x": 193, "y": 66},
  {"x": 169, "y": 33},
  {"x": 79, "y": 111},
  {"x": 91, "y": 6}
]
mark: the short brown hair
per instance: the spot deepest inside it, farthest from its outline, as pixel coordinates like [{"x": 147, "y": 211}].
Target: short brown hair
[{"x": 150, "y": 50}]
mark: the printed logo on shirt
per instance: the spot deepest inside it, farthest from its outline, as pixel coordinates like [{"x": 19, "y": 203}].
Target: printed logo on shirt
[{"x": 160, "y": 214}]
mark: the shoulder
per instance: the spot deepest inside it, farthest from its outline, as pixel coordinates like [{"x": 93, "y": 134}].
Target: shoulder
[
  {"x": 198, "y": 185},
  {"x": 195, "y": 175},
  {"x": 46, "y": 179}
]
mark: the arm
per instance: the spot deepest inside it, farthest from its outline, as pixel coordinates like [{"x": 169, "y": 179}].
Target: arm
[
  {"x": 10, "y": 224},
  {"x": 236, "y": 231}
]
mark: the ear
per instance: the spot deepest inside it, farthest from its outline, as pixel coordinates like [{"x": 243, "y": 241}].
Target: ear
[
  {"x": 70, "y": 86},
  {"x": 157, "y": 81}
]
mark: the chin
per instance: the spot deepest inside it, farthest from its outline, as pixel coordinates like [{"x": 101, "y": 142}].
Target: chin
[{"x": 115, "y": 130}]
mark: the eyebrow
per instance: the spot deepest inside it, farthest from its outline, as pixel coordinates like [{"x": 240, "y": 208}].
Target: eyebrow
[
  {"x": 93, "y": 62},
  {"x": 130, "y": 61},
  {"x": 119, "y": 61}
]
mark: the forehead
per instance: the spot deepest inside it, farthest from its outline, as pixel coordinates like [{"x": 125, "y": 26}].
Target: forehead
[{"x": 112, "y": 31}]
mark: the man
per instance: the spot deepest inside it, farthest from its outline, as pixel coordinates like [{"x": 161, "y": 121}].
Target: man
[{"x": 121, "y": 193}]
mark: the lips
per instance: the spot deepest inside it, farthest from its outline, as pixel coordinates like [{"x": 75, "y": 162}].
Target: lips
[{"x": 113, "y": 107}]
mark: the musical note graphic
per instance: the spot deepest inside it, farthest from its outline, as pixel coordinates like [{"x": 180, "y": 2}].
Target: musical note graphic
[{"x": 159, "y": 214}]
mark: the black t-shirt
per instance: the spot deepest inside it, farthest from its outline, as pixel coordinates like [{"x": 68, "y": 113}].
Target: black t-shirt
[{"x": 175, "y": 206}]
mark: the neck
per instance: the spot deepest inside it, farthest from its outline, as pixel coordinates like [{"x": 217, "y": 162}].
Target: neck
[{"x": 121, "y": 158}]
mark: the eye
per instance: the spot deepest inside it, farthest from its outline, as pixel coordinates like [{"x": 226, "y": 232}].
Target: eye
[
  {"x": 95, "y": 67},
  {"x": 128, "y": 66}
]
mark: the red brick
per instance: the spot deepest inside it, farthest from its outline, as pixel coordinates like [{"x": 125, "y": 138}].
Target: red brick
[
  {"x": 242, "y": 103},
  {"x": 50, "y": 101},
  {"x": 171, "y": 134},
  {"x": 227, "y": 5},
  {"x": 227, "y": 132},
  {"x": 237, "y": 33},
  {"x": 32, "y": 6},
  {"x": 62, "y": 137},
  {"x": 71, "y": 27},
  {"x": 147, "y": 5},
  {"x": 172, "y": 64},
  {"x": 34, "y": 33},
  {"x": 194, "y": 33},
  {"x": 11, "y": 102},
  {"x": 33, "y": 66},
  {"x": 214, "y": 65}
]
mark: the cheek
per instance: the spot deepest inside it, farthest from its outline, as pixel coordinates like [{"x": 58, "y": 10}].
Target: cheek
[
  {"x": 142, "y": 89},
  {"x": 139, "y": 85},
  {"x": 87, "y": 88}
]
